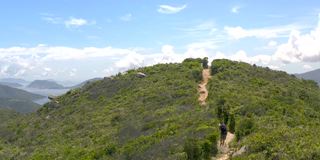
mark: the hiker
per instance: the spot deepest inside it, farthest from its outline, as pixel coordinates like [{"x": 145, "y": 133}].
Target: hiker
[{"x": 223, "y": 133}]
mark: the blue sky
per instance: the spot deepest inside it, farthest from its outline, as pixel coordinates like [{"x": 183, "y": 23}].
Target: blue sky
[{"x": 79, "y": 39}]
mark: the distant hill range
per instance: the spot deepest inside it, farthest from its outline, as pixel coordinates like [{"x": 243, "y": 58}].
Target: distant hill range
[
  {"x": 18, "y": 100},
  {"x": 312, "y": 75},
  {"x": 45, "y": 84},
  {"x": 12, "y": 84}
]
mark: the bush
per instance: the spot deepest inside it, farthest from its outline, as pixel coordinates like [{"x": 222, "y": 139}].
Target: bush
[
  {"x": 206, "y": 149},
  {"x": 201, "y": 149},
  {"x": 245, "y": 127},
  {"x": 225, "y": 117},
  {"x": 193, "y": 149},
  {"x": 213, "y": 139},
  {"x": 232, "y": 124},
  {"x": 197, "y": 74}
]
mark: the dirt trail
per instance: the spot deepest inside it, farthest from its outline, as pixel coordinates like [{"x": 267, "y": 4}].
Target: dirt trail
[
  {"x": 225, "y": 150},
  {"x": 202, "y": 87}
]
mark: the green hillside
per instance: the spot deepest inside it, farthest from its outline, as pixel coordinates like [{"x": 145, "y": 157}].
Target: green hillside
[
  {"x": 277, "y": 115},
  {"x": 9, "y": 92},
  {"x": 159, "y": 117},
  {"x": 18, "y": 100}
]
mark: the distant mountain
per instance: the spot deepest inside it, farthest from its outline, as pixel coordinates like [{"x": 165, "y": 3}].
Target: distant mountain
[
  {"x": 86, "y": 82},
  {"x": 312, "y": 75},
  {"x": 12, "y": 84},
  {"x": 45, "y": 84},
  {"x": 18, "y": 100},
  {"x": 15, "y": 80}
]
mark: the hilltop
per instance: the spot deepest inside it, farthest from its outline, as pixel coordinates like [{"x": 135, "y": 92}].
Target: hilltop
[
  {"x": 273, "y": 115},
  {"x": 45, "y": 84}
]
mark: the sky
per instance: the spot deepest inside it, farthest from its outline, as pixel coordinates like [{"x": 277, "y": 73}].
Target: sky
[{"x": 75, "y": 40}]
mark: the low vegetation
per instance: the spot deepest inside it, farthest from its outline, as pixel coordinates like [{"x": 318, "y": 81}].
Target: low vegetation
[
  {"x": 276, "y": 115},
  {"x": 273, "y": 114}
]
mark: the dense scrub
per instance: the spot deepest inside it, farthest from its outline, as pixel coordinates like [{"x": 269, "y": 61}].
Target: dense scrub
[
  {"x": 277, "y": 115},
  {"x": 121, "y": 117},
  {"x": 273, "y": 114}
]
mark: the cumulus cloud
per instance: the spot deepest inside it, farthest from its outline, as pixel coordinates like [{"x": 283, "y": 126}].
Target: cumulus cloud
[
  {"x": 127, "y": 17},
  {"x": 167, "y": 9},
  {"x": 301, "y": 47},
  {"x": 17, "y": 61},
  {"x": 265, "y": 33},
  {"x": 243, "y": 57}
]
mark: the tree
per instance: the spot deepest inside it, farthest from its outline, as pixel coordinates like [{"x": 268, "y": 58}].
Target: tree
[{"x": 205, "y": 62}]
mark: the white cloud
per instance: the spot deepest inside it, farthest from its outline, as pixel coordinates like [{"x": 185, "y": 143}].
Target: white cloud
[
  {"x": 307, "y": 67},
  {"x": 47, "y": 69},
  {"x": 235, "y": 9},
  {"x": 301, "y": 47},
  {"x": 72, "y": 72},
  {"x": 166, "y": 9},
  {"x": 265, "y": 33},
  {"x": 75, "y": 22},
  {"x": 272, "y": 44},
  {"x": 53, "y": 20},
  {"x": 167, "y": 50},
  {"x": 242, "y": 56},
  {"x": 127, "y": 17},
  {"x": 274, "y": 67}
]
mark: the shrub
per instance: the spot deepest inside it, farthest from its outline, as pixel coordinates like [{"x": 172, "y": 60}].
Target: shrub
[
  {"x": 193, "y": 149},
  {"x": 206, "y": 149},
  {"x": 225, "y": 117},
  {"x": 213, "y": 139},
  {"x": 245, "y": 127},
  {"x": 232, "y": 124},
  {"x": 197, "y": 74}
]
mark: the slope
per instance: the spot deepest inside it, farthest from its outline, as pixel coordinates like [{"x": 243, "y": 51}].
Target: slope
[
  {"x": 124, "y": 117},
  {"x": 9, "y": 92},
  {"x": 276, "y": 115},
  {"x": 312, "y": 75},
  {"x": 18, "y": 100}
]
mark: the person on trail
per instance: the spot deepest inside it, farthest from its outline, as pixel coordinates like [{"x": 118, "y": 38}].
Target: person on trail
[{"x": 223, "y": 133}]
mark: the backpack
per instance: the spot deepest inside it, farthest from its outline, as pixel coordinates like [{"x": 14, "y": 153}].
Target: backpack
[{"x": 223, "y": 129}]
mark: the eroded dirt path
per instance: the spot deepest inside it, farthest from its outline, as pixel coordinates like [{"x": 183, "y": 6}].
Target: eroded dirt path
[
  {"x": 225, "y": 150},
  {"x": 202, "y": 86}
]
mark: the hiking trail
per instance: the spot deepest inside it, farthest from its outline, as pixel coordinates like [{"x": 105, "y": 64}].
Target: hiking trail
[
  {"x": 202, "y": 86},
  {"x": 226, "y": 152}
]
